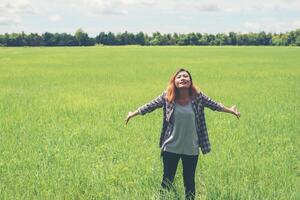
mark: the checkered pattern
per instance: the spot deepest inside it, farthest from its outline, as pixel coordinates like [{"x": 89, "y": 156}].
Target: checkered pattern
[{"x": 199, "y": 103}]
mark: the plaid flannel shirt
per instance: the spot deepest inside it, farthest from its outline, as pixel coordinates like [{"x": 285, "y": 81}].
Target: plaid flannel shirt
[{"x": 198, "y": 104}]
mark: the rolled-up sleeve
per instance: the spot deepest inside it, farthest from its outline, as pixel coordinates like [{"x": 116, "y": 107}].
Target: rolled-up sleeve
[
  {"x": 152, "y": 105},
  {"x": 210, "y": 103}
]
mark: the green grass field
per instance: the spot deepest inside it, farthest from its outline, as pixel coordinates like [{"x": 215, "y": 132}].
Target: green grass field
[{"x": 63, "y": 136}]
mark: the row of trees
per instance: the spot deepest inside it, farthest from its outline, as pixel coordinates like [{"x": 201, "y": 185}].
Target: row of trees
[{"x": 80, "y": 38}]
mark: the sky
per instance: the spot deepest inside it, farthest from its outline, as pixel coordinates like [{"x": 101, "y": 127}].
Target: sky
[{"x": 148, "y": 16}]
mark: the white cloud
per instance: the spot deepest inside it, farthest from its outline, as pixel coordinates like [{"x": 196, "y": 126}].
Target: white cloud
[
  {"x": 9, "y": 20},
  {"x": 213, "y": 5},
  {"x": 12, "y": 12},
  {"x": 107, "y": 7},
  {"x": 55, "y": 18},
  {"x": 18, "y": 7},
  {"x": 271, "y": 25},
  {"x": 186, "y": 17},
  {"x": 118, "y": 15},
  {"x": 209, "y": 7}
]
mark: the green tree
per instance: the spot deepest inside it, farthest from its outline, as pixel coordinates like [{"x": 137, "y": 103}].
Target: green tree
[
  {"x": 16, "y": 39},
  {"x": 4, "y": 39},
  {"x": 82, "y": 37},
  {"x": 263, "y": 38},
  {"x": 280, "y": 39},
  {"x": 48, "y": 39},
  {"x": 33, "y": 39},
  {"x": 140, "y": 38},
  {"x": 203, "y": 40},
  {"x": 101, "y": 38},
  {"x": 111, "y": 39},
  {"x": 232, "y": 38},
  {"x": 297, "y": 40},
  {"x": 192, "y": 39},
  {"x": 220, "y": 39},
  {"x": 182, "y": 40},
  {"x": 159, "y": 39}
]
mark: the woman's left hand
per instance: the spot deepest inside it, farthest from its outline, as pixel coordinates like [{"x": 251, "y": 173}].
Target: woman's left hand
[{"x": 235, "y": 111}]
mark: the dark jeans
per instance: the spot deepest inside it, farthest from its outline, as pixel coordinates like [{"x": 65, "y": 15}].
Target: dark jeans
[{"x": 189, "y": 163}]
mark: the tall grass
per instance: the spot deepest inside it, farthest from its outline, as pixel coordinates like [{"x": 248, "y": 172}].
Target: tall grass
[{"x": 63, "y": 136}]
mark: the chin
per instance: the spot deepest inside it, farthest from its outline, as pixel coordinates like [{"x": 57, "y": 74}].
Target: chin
[{"x": 182, "y": 87}]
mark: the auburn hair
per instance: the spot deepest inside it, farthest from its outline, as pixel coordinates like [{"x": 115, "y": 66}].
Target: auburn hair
[{"x": 172, "y": 90}]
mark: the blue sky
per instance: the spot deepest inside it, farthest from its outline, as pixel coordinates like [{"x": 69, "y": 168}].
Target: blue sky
[{"x": 166, "y": 16}]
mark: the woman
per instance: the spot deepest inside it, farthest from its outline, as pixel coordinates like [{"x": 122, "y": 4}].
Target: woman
[{"x": 184, "y": 127}]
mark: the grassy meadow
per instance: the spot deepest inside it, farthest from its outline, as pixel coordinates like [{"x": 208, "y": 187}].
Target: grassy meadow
[{"x": 63, "y": 136}]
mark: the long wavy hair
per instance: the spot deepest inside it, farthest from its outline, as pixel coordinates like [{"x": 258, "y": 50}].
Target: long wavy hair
[{"x": 172, "y": 90}]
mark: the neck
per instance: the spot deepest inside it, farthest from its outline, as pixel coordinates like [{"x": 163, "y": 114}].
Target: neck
[{"x": 183, "y": 93}]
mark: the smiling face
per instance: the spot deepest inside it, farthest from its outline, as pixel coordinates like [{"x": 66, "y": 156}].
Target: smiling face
[{"x": 182, "y": 80}]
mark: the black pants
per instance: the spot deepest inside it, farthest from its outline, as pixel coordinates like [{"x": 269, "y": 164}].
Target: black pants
[{"x": 189, "y": 163}]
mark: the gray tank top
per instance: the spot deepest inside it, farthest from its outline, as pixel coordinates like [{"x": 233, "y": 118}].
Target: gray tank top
[{"x": 183, "y": 139}]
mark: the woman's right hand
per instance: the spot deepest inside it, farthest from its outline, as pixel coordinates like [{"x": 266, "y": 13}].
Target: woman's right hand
[
  {"x": 129, "y": 116},
  {"x": 235, "y": 111}
]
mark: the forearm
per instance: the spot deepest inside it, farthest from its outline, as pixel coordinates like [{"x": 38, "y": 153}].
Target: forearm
[
  {"x": 227, "y": 110},
  {"x": 152, "y": 105},
  {"x": 135, "y": 113},
  {"x": 131, "y": 115}
]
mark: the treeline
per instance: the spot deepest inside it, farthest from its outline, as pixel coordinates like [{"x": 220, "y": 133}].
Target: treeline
[{"x": 80, "y": 38}]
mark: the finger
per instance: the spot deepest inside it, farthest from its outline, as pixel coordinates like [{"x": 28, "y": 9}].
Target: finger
[{"x": 236, "y": 114}]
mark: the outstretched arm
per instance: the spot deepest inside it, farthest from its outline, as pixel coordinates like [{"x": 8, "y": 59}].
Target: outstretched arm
[
  {"x": 233, "y": 110},
  {"x": 131, "y": 115},
  {"x": 147, "y": 108},
  {"x": 216, "y": 106}
]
